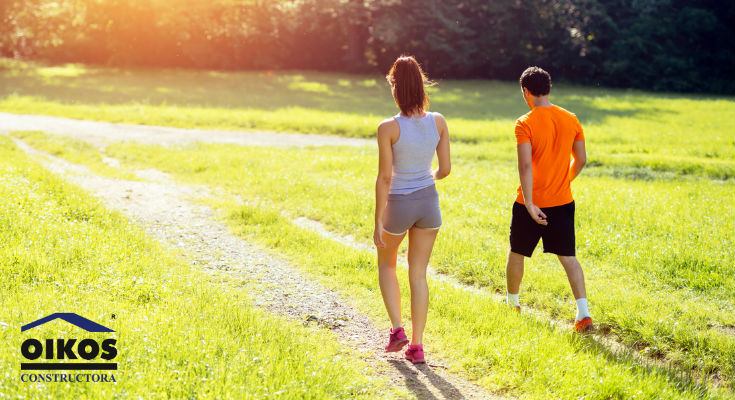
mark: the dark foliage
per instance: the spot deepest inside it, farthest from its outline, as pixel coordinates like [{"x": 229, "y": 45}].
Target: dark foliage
[{"x": 666, "y": 45}]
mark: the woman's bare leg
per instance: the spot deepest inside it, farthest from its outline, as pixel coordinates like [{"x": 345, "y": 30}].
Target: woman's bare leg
[
  {"x": 420, "y": 244},
  {"x": 387, "y": 277}
]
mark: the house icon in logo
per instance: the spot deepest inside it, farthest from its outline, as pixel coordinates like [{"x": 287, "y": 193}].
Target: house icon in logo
[
  {"x": 74, "y": 319},
  {"x": 65, "y": 349}
]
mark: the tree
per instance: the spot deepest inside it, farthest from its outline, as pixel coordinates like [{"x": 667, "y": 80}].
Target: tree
[{"x": 672, "y": 45}]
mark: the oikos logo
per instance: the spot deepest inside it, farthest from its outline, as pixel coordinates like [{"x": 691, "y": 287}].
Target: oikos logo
[{"x": 96, "y": 353}]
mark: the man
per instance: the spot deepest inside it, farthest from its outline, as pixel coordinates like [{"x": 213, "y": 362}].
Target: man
[{"x": 546, "y": 137}]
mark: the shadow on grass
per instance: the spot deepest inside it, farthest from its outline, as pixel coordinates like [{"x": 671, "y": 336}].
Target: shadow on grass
[
  {"x": 683, "y": 380},
  {"x": 268, "y": 90},
  {"x": 447, "y": 390},
  {"x": 725, "y": 173}
]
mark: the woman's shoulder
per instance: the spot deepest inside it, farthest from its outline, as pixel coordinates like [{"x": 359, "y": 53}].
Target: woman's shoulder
[
  {"x": 437, "y": 116},
  {"x": 388, "y": 123},
  {"x": 388, "y": 126},
  {"x": 440, "y": 121}
]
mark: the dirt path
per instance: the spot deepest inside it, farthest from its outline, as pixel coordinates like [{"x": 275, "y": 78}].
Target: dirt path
[
  {"x": 101, "y": 133},
  {"x": 164, "y": 209}
]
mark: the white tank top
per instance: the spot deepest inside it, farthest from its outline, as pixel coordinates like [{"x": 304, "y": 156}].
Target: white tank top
[{"x": 413, "y": 152}]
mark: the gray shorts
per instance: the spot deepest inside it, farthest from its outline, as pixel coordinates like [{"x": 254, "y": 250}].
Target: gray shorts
[{"x": 419, "y": 209}]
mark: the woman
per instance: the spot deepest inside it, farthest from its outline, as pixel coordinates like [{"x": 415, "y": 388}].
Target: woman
[{"x": 406, "y": 199}]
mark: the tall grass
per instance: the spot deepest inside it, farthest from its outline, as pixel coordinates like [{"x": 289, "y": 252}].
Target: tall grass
[{"x": 181, "y": 333}]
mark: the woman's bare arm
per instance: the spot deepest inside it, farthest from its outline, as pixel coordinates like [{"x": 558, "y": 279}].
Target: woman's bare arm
[
  {"x": 442, "y": 149},
  {"x": 388, "y": 132}
]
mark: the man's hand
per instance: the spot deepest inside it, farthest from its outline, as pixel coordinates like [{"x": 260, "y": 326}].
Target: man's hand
[
  {"x": 536, "y": 214},
  {"x": 378, "y": 236}
]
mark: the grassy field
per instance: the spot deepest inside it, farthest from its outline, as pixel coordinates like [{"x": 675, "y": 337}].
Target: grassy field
[
  {"x": 181, "y": 333},
  {"x": 679, "y": 282},
  {"x": 633, "y": 133},
  {"x": 529, "y": 366},
  {"x": 654, "y": 211}
]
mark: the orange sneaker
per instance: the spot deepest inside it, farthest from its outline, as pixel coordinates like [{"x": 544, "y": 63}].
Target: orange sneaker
[
  {"x": 584, "y": 326},
  {"x": 517, "y": 309}
]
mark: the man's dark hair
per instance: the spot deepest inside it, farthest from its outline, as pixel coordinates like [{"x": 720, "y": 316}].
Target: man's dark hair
[{"x": 536, "y": 80}]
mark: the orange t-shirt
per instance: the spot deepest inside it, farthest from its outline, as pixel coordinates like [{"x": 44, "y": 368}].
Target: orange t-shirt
[{"x": 551, "y": 132}]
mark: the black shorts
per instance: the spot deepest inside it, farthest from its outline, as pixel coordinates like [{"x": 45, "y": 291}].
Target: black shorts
[{"x": 558, "y": 235}]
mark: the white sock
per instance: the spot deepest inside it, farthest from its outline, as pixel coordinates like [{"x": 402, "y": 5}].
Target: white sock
[
  {"x": 582, "y": 310},
  {"x": 513, "y": 300}
]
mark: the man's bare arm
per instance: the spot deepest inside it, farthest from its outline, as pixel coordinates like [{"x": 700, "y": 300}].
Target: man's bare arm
[
  {"x": 525, "y": 171},
  {"x": 580, "y": 159}
]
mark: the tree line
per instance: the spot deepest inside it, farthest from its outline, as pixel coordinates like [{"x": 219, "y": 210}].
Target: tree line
[{"x": 665, "y": 45}]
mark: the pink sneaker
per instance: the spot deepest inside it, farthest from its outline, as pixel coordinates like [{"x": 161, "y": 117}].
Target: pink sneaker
[
  {"x": 415, "y": 353},
  {"x": 396, "y": 340}
]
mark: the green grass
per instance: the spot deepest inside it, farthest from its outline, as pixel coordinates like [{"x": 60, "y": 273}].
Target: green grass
[
  {"x": 181, "y": 333},
  {"x": 541, "y": 361},
  {"x": 654, "y": 219},
  {"x": 506, "y": 352},
  {"x": 660, "y": 261},
  {"x": 72, "y": 150},
  {"x": 630, "y": 133}
]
